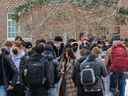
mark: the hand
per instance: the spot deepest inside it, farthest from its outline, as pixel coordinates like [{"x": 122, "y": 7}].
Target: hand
[
  {"x": 62, "y": 72},
  {"x": 10, "y": 87}
]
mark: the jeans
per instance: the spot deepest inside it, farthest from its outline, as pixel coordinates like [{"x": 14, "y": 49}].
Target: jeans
[
  {"x": 117, "y": 79},
  {"x": 55, "y": 91},
  {"x": 94, "y": 94},
  {"x": 52, "y": 92},
  {"x": 107, "y": 85},
  {"x": 2, "y": 91}
]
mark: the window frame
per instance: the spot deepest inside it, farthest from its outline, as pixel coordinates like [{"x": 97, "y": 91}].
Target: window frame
[{"x": 11, "y": 20}]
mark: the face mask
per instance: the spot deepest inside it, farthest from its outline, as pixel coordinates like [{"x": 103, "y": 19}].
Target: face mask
[
  {"x": 75, "y": 49},
  {"x": 57, "y": 45},
  {"x": 15, "y": 51}
]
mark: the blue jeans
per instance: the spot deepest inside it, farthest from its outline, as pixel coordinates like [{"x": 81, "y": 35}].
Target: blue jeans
[
  {"x": 55, "y": 91},
  {"x": 117, "y": 79},
  {"x": 2, "y": 90}
]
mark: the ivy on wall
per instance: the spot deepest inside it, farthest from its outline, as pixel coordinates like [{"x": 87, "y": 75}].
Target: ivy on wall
[
  {"x": 87, "y": 4},
  {"x": 122, "y": 16},
  {"x": 21, "y": 9},
  {"x": 123, "y": 11}
]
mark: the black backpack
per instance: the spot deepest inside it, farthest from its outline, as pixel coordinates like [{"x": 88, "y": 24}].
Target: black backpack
[
  {"x": 89, "y": 78},
  {"x": 34, "y": 72},
  {"x": 87, "y": 73}
]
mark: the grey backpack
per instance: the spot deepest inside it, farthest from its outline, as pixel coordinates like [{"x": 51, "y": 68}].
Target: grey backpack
[{"x": 87, "y": 73}]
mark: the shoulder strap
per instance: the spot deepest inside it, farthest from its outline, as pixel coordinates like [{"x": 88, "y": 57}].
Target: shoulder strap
[{"x": 84, "y": 62}]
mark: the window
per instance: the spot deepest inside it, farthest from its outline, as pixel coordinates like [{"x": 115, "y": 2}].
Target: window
[
  {"x": 11, "y": 27},
  {"x": 57, "y": 1}
]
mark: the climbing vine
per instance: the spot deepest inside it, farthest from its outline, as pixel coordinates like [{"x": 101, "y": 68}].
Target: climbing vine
[
  {"x": 86, "y": 4},
  {"x": 123, "y": 11},
  {"x": 26, "y": 7}
]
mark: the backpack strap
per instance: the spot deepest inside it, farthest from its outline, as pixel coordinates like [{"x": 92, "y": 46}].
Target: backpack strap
[{"x": 84, "y": 62}]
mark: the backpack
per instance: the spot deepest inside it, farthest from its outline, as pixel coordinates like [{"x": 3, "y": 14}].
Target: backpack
[
  {"x": 119, "y": 59},
  {"x": 34, "y": 72},
  {"x": 87, "y": 73}
]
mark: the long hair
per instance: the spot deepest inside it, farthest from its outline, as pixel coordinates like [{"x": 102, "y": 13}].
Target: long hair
[{"x": 68, "y": 53}]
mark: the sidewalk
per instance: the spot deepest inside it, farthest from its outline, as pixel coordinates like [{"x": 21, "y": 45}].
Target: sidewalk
[
  {"x": 126, "y": 90},
  {"x": 106, "y": 85}
]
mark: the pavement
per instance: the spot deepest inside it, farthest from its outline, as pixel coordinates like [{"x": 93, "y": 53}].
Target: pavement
[
  {"x": 106, "y": 84},
  {"x": 126, "y": 90}
]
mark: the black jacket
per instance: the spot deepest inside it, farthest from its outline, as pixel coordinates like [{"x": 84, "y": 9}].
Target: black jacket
[
  {"x": 50, "y": 68},
  {"x": 9, "y": 74}
]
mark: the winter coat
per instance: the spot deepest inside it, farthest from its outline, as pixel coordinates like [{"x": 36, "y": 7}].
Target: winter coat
[
  {"x": 10, "y": 71},
  {"x": 68, "y": 85},
  {"x": 43, "y": 91}
]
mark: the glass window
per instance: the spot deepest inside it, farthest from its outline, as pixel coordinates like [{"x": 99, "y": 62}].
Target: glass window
[{"x": 11, "y": 27}]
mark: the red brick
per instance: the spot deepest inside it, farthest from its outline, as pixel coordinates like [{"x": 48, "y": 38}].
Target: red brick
[{"x": 5, "y": 7}]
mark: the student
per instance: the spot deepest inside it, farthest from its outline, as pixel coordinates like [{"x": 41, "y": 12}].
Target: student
[
  {"x": 17, "y": 54},
  {"x": 37, "y": 71},
  {"x": 8, "y": 73},
  {"x": 82, "y": 76},
  {"x": 117, "y": 62},
  {"x": 58, "y": 46},
  {"x": 67, "y": 86}
]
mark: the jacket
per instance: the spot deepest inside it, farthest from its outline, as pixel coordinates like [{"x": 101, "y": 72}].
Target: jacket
[
  {"x": 50, "y": 68},
  {"x": 10, "y": 69},
  {"x": 68, "y": 85}
]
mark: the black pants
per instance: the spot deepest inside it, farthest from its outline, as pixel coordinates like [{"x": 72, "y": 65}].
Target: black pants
[
  {"x": 94, "y": 94},
  {"x": 10, "y": 93},
  {"x": 38, "y": 92},
  {"x": 19, "y": 90}
]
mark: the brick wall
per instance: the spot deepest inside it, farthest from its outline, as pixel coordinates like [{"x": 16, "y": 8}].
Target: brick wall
[
  {"x": 3, "y": 28},
  {"x": 74, "y": 21},
  {"x": 5, "y": 7},
  {"x": 124, "y": 3},
  {"x": 71, "y": 23}
]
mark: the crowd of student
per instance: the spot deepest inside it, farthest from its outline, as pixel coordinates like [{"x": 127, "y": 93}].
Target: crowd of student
[{"x": 53, "y": 68}]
